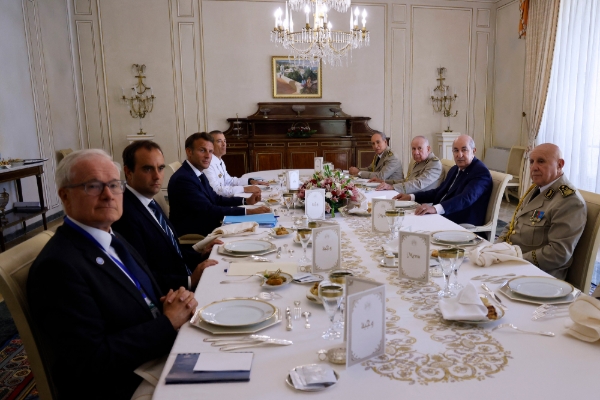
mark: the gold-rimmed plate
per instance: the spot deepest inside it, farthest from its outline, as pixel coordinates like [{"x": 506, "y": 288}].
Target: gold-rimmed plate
[
  {"x": 241, "y": 330},
  {"x": 248, "y": 246},
  {"x": 236, "y": 312}
]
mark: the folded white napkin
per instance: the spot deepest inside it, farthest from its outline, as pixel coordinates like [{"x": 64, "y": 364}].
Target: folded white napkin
[
  {"x": 241, "y": 229},
  {"x": 310, "y": 376},
  {"x": 489, "y": 254},
  {"x": 389, "y": 248},
  {"x": 465, "y": 306},
  {"x": 585, "y": 313},
  {"x": 150, "y": 371}
]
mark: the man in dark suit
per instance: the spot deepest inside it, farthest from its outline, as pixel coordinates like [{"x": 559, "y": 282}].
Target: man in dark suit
[
  {"x": 464, "y": 195},
  {"x": 148, "y": 229},
  {"x": 195, "y": 207},
  {"x": 95, "y": 306}
]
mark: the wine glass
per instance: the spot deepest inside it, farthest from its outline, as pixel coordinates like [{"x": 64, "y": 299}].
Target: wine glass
[
  {"x": 331, "y": 295},
  {"x": 457, "y": 262},
  {"x": 399, "y": 221},
  {"x": 339, "y": 276},
  {"x": 288, "y": 200},
  {"x": 392, "y": 218},
  {"x": 304, "y": 234},
  {"x": 446, "y": 258}
]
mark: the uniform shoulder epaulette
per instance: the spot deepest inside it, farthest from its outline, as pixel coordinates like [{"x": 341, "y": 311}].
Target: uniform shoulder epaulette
[
  {"x": 434, "y": 159},
  {"x": 390, "y": 153},
  {"x": 549, "y": 193},
  {"x": 565, "y": 190}
]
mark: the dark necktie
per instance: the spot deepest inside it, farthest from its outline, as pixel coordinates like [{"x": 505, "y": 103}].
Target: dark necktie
[
  {"x": 377, "y": 160},
  {"x": 163, "y": 224},
  {"x": 536, "y": 191},
  {"x": 203, "y": 181},
  {"x": 453, "y": 182},
  {"x": 134, "y": 268}
]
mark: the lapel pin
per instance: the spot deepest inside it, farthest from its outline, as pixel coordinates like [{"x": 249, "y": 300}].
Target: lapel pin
[{"x": 99, "y": 260}]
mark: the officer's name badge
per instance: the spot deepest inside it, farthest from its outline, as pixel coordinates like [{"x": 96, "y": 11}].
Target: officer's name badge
[
  {"x": 536, "y": 216},
  {"x": 220, "y": 175}
]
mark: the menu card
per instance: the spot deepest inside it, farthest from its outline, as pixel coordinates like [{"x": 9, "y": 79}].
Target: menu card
[
  {"x": 318, "y": 164},
  {"x": 330, "y": 165},
  {"x": 293, "y": 179},
  {"x": 327, "y": 248},
  {"x": 379, "y": 222},
  {"x": 413, "y": 256},
  {"x": 315, "y": 204},
  {"x": 365, "y": 320}
]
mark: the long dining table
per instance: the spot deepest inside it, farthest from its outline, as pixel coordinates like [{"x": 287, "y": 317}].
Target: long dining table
[{"x": 425, "y": 356}]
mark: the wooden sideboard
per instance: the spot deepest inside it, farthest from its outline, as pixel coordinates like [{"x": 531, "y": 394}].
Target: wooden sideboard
[{"x": 259, "y": 142}]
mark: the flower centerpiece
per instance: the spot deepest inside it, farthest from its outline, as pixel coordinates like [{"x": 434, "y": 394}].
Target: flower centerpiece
[
  {"x": 338, "y": 189},
  {"x": 300, "y": 130}
]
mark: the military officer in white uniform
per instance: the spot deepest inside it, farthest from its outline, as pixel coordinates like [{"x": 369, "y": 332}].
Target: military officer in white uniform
[
  {"x": 222, "y": 183},
  {"x": 385, "y": 164},
  {"x": 424, "y": 174},
  {"x": 550, "y": 217}
]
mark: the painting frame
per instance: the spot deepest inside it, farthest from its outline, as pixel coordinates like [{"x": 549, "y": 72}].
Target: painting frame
[{"x": 281, "y": 83}]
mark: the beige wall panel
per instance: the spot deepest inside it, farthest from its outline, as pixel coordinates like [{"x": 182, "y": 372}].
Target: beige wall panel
[
  {"x": 441, "y": 36},
  {"x": 147, "y": 41},
  {"x": 483, "y": 18},
  {"x": 238, "y": 63},
  {"x": 509, "y": 71},
  {"x": 83, "y": 7},
  {"x": 399, "y": 13},
  {"x": 185, "y": 8},
  {"x": 397, "y": 117},
  {"x": 188, "y": 53},
  {"x": 480, "y": 89}
]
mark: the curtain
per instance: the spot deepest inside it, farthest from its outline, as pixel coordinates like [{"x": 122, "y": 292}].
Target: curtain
[
  {"x": 539, "y": 47},
  {"x": 571, "y": 118}
]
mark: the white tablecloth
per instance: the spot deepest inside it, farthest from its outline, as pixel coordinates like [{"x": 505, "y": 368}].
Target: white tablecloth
[{"x": 426, "y": 357}]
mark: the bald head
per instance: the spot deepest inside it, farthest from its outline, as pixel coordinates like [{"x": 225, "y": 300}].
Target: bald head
[
  {"x": 545, "y": 164},
  {"x": 420, "y": 148},
  {"x": 463, "y": 150}
]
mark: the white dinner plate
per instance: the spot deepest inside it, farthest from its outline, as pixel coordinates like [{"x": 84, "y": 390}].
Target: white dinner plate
[
  {"x": 240, "y": 312},
  {"x": 486, "y": 320},
  {"x": 454, "y": 237},
  {"x": 264, "y": 188},
  {"x": 571, "y": 297},
  {"x": 540, "y": 286},
  {"x": 405, "y": 204},
  {"x": 475, "y": 242},
  {"x": 238, "y": 330},
  {"x": 247, "y": 246}
]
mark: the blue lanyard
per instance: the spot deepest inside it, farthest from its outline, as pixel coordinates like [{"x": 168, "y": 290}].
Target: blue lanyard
[{"x": 116, "y": 261}]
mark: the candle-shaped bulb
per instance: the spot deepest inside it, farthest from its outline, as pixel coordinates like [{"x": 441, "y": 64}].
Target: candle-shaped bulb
[
  {"x": 356, "y": 12},
  {"x": 329, "y": 26},
  {"x": 307, "y": 11},
  {"x": 291, "y": 23},
  {"x": 351, "y": 19}
]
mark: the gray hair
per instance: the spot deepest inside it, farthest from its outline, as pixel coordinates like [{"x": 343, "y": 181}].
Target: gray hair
[
  {"x": 422, "y": 137},
  {"x": 382, "y": 135},
  {"x": 471, "y": 141},
  {"x": 65, "y": 169}
]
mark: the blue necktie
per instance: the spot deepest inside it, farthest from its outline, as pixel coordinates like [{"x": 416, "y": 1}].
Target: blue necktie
[
  {"x": 134, "y": 268},
  {"x": 163, "y": 223}
]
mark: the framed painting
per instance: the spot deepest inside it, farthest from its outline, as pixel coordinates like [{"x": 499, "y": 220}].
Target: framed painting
[{"x": 296, "y": 78}]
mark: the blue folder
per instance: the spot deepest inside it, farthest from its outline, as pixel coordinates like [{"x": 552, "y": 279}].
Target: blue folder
[
  {"x": 264, "y": 220},
  {"x": 183, "y": 372}
]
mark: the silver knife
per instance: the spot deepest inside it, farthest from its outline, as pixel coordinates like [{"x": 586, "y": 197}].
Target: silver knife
[
  {"x": 494, "y": 296},
  {"x": 288, "y": 316},
  {"x": 279, "y": 342}
]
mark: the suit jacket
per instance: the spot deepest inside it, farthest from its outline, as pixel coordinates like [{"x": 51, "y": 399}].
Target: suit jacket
[
  {"x": 389, "y": 167},
  {"x": 550, "y": 242},
  {"x": 148, "y": 238},
  {"x": 466, "y": 200},
  {"x": 422, "y": 176},
  {"x": 91, "y": 319},
  {"x": 196, "y": 208}
]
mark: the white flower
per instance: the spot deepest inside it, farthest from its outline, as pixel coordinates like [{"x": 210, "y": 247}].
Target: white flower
[{"x": 328, "y": 195}]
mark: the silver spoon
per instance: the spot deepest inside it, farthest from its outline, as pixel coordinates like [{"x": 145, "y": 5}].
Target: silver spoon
[
  {"x": 306, "y": 314},
  {"x": 551, "y": 334}
]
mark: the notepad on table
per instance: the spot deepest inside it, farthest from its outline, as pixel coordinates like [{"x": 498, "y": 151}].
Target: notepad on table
[{"x": 192, "y": 368}]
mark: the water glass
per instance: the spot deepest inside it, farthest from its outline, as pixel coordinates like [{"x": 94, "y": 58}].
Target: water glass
[
  {"x": 392, "y": 219},
  {"x": 304, "y": 234},
  {"x": 446, "y": 258},
  {"x": 339, "y": 276},
  {"x": 331, "y": 295},
  {"x": 458, "y": 260}
]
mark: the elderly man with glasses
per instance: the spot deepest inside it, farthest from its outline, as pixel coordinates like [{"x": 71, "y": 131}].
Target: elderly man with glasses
[{"x": 95, "y": 306}]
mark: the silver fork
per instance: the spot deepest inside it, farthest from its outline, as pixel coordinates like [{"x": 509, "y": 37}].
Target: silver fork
[{"x": 551, "y": 334}]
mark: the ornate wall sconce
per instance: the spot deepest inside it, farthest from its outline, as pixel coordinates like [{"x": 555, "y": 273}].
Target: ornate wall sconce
[
  {"x": 442, "y": 98},
  {"x": 139, "y": 103}
]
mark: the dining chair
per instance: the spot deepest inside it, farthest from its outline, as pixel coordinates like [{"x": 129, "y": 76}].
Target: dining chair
[
  {"x": 446, "y": 165},
  {"x": 581, "y": 270},
  {"x": 162, "y": 197},
  {"x": 63, "y": 153},
  {"x": 14, "y": 270},
  {"x": 514, "y": 167},
  {"x": 499, "y": 181}
]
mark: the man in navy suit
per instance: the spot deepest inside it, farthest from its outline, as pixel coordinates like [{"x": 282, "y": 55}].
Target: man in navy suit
[
  {"x": 195, "y": 207},
  {"x": 464, "y": 195},
  {"x": 148, "y": 229},
  {"x": 97, "y": 312}
]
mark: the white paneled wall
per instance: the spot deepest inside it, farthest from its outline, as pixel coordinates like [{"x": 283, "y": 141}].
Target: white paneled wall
[{"x": 66, "y": 61}]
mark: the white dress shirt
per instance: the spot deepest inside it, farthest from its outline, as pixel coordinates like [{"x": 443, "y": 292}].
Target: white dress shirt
[{"x": 220, "y": 180}]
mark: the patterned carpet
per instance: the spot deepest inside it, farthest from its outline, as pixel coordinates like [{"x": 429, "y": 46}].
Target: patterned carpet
[{"x": 16, "y": 379}]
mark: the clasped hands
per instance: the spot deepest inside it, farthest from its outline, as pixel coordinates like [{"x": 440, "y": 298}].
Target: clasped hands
[
  {"x": 421, "y": 210},
  {"x": 179, "y": 306}
]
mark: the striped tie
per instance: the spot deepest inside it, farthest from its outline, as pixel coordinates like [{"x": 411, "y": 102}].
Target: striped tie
[{"x": 163, "y": 223}]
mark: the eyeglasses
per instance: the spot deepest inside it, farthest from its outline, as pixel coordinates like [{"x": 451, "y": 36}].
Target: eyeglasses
[{"x": 95, "y": 188}]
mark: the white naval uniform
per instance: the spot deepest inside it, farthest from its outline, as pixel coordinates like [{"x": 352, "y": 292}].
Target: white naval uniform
[{"x": 223, "y": 183}]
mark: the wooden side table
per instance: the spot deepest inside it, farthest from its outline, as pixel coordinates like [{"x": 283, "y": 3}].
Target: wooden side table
[{"x": 16, "y": 174}]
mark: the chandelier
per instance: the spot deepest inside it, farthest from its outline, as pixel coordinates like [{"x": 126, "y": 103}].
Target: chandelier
[{"x": 321, "y": 41}]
